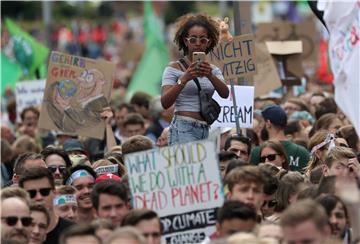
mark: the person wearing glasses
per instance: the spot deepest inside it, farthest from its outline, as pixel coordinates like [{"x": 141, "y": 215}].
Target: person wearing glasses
[
  {"x": 57, "y": 162},
  {"x": 274, "y": 129},
  {"x": 15, "y": 216},
  {"x": 40, "y": 184},
  {"x": 194, "y": 33},
  {"x": 273, "y": 152}
]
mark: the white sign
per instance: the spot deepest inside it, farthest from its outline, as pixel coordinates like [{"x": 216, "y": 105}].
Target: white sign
[
  {"x": 182, "y": 184},
  {"x": 28, "y": 93},
  {"x": 245, "y": 107},
  {"x": 343, "y": 22}
]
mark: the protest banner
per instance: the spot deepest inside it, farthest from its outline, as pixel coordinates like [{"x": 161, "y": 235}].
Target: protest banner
[
  {"x": 245, "y": 104},
  {"x": 236, "y": 58},
  {"x": 267, "y": 78},
  {"x": 77, "y": 90},
  {"x": 286, "y": 31},
  {"x": 182, "y": 184},
  {"x": 28, "y": 93}
]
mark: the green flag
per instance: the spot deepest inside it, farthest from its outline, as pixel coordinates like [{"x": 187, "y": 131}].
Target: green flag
[
  {"x": 148, "y": 73},
  {"x": 29, "y": 53},
  {"x": 10, "y": 73}
]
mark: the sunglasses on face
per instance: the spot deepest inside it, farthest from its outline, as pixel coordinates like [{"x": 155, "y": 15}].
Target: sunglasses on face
[
  {"x": 43, "y": 191},
  {"x": 270, "y": 157},
  {"x": 202, "y": 40},
  {"x": 53, "y": 168},
  {"x": 12, "y": 220},
  {"x": 270, "y": 203}
]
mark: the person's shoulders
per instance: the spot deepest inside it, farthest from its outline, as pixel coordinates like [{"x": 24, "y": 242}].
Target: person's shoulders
[
  {"x": 254, "y": 155},
  {"x": 293, "y": 145},
  {"x": 64, "y": 223}
]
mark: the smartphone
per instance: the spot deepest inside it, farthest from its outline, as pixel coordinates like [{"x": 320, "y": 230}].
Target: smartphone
[{"x": 198, "y": 57}]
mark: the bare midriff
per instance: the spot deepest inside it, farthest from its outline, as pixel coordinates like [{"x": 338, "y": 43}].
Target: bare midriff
[{"x": 194, "y": 115}]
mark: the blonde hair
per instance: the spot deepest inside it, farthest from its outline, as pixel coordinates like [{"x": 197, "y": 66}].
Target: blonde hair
[
  {"x": 338, "y": 153},
  {"x": 316, "y": 139},
  {"x": 127, "y": 232}
]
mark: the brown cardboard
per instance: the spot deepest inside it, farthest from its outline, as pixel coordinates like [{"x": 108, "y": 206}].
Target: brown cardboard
[
  {"x": 77, "y": 89},
  {"x": 236, "y": 58},
  {"x": 284, "y": 47},
  {"x": 284, "y": 31},
  {"x": 131, "y": 51},
  {"x": 267, "y": 78}
]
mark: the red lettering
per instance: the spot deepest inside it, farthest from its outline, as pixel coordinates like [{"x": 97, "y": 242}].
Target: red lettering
[{"x": 64, "y": 73}]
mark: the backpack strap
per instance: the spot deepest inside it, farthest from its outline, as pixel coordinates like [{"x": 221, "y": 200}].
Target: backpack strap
[{"x": 183, "y": 62}]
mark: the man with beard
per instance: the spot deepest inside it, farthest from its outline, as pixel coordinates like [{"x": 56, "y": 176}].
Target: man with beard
[
  {"x": 40, "y": 184},
  {"x": 15, "y": 216},
  {"x": 82, "y": 177},
  {"x": 338, "y": 217},
  {"x": 275, "y": 121}
]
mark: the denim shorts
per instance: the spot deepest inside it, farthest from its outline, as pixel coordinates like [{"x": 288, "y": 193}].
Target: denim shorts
[{"x": 184, "y": 129}]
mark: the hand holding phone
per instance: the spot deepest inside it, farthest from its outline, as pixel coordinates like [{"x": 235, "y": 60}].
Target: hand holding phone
[{"x": 198, "y": 57}]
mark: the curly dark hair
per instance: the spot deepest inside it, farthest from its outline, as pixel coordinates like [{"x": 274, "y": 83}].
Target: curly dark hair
[{"x": 186, "y": 22}]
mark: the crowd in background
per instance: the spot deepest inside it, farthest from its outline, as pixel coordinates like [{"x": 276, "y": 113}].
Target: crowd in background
[{"x": 292, "y": 178}]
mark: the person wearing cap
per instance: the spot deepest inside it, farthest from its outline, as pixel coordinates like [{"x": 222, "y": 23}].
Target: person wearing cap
[
  {"x": 82, "y": 177},
  {"x": 110, "y": 201},
  {"x": 74, "y": 147},
  {"x": 275, "y": 122}
]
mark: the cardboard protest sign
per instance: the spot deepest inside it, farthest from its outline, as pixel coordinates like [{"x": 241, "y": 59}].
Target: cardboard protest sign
[
  {"x": 236, "y": 58},
  {"x": 182, "y": 184},
  {"x": 267, "y": 78},
  {"x": 77, "y": 90},
  {"x": 245, "y": 105},
  {"x": 286, "y": 31},
  {"x": 286, "y": 55},
  {"x": 28, "y": 93}
]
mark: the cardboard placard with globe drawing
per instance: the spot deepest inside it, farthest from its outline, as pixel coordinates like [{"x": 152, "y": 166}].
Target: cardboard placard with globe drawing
[{"x": 77, "y": 89}]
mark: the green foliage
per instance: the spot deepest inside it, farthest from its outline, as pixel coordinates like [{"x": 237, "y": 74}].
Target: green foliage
[{"x": 175, "y": 9}]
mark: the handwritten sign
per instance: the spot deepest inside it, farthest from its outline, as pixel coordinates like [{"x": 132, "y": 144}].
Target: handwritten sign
[
  {"x": 28, "y": 93},
  {"x": 267, "y": 78},
  {"x": 245, "y": 104},
  {"x": 77, "y": 90},
  {"x": 285, "y": 31},
  {"x": 182, "y": 184},
  {"x": 236, "y": 58}
]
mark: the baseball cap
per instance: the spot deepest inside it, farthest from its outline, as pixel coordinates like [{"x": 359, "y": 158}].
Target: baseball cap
[
  {"x": 107, "y": 177},
  {"x": 275, "y": 114},
  {"x": 71, "y": 145}
]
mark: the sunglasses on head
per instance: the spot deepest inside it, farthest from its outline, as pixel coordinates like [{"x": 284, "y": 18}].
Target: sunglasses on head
[
  {"x": 270, "y": 157},
  {"x": 53, "y": 168},
  {"x": 12, "y": 220},
  {"x": 270, "y": 203},
  {"x": 202, "y": 40},
  {"x": 43, "y": 191}
]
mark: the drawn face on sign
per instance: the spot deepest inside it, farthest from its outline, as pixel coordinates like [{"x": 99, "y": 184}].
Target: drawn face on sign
[{"x": 90, "y": 84}]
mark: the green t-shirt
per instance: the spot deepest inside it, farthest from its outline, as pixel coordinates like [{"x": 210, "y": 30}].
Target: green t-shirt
[{"x": 298, "y": 155}]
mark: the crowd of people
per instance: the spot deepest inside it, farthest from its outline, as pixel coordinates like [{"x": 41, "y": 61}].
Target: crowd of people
[{"x": 293, "y": 178}]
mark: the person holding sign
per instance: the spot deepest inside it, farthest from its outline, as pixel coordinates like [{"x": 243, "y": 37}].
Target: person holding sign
[{"x": 194, "y": 34}]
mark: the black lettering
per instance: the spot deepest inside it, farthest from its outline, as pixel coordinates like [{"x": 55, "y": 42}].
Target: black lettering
[
  {"x": 237, "y": 50},
  {"x": 248, "y": 46},
  {"x": 248, "y": 112},
  {"x": 225, "y": 50},
  {"x": 250, "y": 65},
  {"x": 226, "y": 110}
]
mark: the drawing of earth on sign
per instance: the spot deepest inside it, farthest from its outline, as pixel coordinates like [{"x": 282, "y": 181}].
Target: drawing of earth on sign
[
  {"x": 66, "y": 88},
  {"x": 77, "y": 103}
]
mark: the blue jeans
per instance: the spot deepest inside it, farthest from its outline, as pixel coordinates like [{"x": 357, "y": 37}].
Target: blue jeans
[{"x": 183, "y": 129}]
